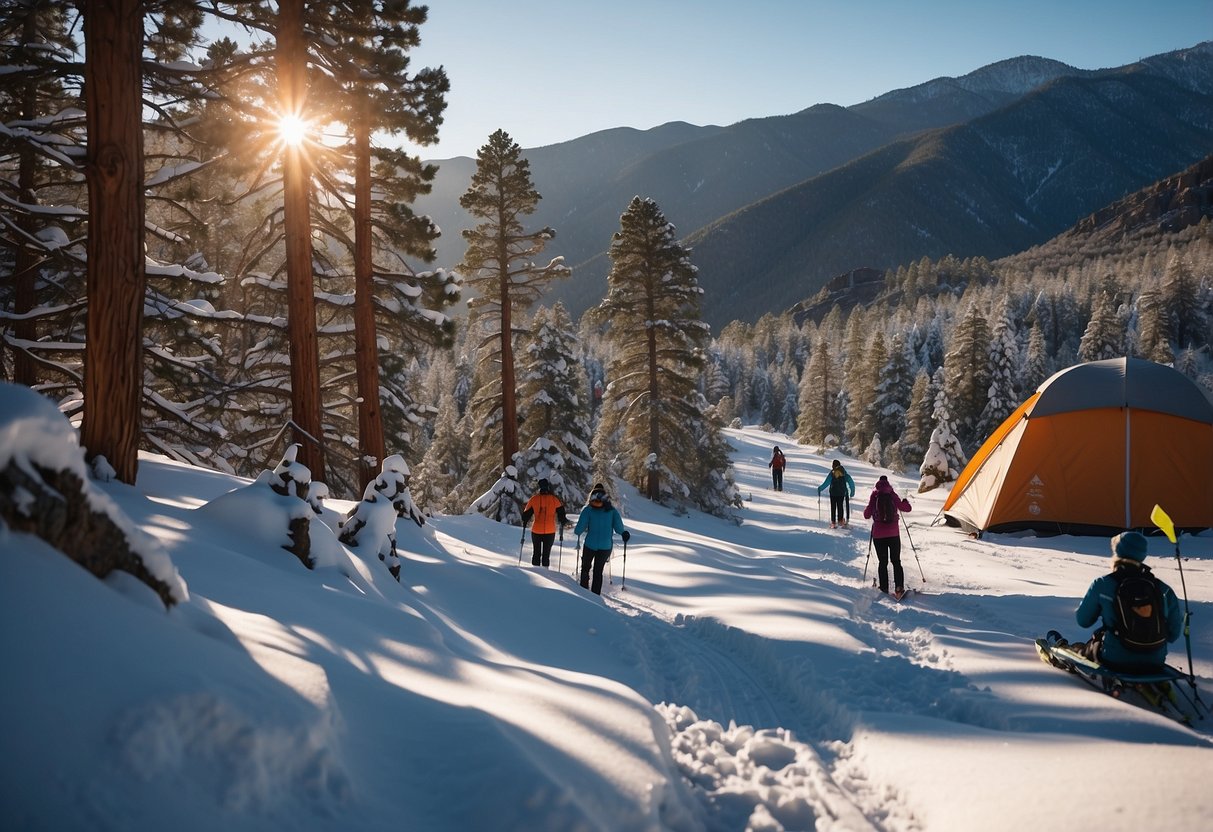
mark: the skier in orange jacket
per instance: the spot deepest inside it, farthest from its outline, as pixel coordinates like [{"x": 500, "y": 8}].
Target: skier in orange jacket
[{"x": 548, "y": 511}]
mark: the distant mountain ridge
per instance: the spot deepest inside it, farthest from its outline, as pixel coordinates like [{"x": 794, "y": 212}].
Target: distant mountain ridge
[
  {"x": 987, "y": 163},
  {"x": 1166, "y": 207}
]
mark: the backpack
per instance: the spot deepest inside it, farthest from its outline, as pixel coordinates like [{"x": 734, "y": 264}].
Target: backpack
[
  {"x": 886, "y": 511},
  {"x": 1137, "y": 605},
  {"x": 780, "y": 462},
  {"x": 838, "y": 483}
]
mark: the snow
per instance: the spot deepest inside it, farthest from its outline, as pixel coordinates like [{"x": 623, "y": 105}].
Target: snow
[{"x": 746, "y": 678}]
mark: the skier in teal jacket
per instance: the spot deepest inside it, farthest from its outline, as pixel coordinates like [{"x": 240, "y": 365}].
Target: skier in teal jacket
[
  {"x": 599, "y": 521},
  {"x": 842, "y": 489}
]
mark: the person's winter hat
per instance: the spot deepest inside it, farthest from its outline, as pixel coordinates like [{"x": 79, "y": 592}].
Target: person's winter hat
[
  {"x": 545, "y": 486},
  {"x": 837, "y": 464},
  {"x": 883, "y": 478},
  {"x": 1130, "y": 546}
]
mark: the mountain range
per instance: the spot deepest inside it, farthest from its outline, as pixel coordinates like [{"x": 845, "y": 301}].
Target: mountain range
[{"x": 986, "y": 164}]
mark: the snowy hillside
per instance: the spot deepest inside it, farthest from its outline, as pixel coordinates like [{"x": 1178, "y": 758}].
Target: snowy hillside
[{"x": 746, "y": 678}]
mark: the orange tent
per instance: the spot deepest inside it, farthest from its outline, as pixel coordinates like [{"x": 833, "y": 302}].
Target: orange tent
[{"x": 1091, "y": 452}]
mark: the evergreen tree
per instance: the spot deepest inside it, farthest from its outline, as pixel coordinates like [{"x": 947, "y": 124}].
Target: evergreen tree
[
  {"x": 653, "y": 415},
  {"x": 818, "y": 403},
  {"x": 1003, "y": 395},
  {"x": 1035, "y": 360},
  {"x": 866, "y": 391},
  {"x": 500, "y": 268},
  {"x": 445, "y": 462},
  {"x": 1181, "y": 297},
  {"x": 1153, "y": 328},
  {"x": 553, "y": 401},
  {"x": 504, "y": 500},
  {"x": 913, "y": 442},
  {"x": 967, "y": 373},
  {"x": 894, "y": 385},
  {"x": 944, "y": 458},
  {"x": 1104, "y": 336}
]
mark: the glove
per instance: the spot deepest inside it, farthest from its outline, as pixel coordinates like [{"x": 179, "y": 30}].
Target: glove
[{"x": 626, "y": 536}]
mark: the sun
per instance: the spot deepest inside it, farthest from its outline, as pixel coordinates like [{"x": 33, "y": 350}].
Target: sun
[{"x": 292, "y": 130}]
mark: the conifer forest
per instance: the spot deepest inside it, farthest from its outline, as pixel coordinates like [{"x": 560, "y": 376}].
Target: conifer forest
[{"x": 208, "y": 250}]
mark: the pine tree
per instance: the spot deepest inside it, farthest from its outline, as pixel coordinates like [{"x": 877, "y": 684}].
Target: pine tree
[
  {"x": 504, "y": 499},
  {"x": 944, "y": 458},
  {"x": 1104, "y": 336},
  {"x": 445, "y": 462},
  {"x": 865, "y": 391},
  {"x": 500, "y": 268},
  {"x": 894, "y": 385},
  {"x": 1153, "y": 328},
  {"x": 654, "y": 419},
  {"x": 818, "y": 403},
  {"x": 552, "y": 399},
  {"x": 1035, "y": 367},
  {"x": 913, "y": 442},
  {"x": 1003, "y": 394},
  {"x": 967, "y": 372},
  {"x": 1181, "y": 297}
]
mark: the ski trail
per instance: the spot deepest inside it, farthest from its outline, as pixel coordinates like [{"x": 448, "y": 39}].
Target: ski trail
[{"x": 746, "y": 777}]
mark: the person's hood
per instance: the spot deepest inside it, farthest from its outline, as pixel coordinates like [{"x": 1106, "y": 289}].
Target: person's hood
[{"x": 884, "y": 485}]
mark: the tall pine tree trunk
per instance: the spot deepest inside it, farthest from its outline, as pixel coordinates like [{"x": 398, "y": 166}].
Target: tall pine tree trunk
[
  {"x": 113, "y": 367},
  {"x": 366, "y": 352},
  {"x": 509, "y": 392},
  {"x": 301, "y": 300},
  {"x": 653, "y": 489}
]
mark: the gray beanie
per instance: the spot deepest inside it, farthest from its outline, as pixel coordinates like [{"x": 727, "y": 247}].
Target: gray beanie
[{"x": 1130, "y": 546}]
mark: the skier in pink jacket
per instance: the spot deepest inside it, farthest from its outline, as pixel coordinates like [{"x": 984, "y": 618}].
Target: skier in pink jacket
[{"x": 883, "y": 509}]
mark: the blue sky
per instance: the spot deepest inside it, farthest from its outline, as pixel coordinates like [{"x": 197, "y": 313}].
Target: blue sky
[{"x": 551, "y": 70}]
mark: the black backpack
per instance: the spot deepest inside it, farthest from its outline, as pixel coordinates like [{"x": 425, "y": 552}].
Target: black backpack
[
  {"x": 838, "y": 482},
  {"x": 886, "y": 511},
  {"x": 1141, "y": 623}
]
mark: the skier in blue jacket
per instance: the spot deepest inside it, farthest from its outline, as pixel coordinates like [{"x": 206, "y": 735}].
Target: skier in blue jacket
[
  {"x": 1098, "y": 605},
  {"x": 599, "y": 521}
]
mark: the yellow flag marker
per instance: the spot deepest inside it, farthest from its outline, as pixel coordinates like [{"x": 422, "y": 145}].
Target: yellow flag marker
[{"x": 1161, "y": 519}]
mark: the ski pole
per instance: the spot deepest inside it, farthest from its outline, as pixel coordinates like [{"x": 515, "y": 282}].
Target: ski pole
[
  {"x": 818, "y": 506},
  {"x": 624, "y": 584},
  {"x": 610, "y": 571},
  {"x": 560, "y": 553},
  {"x": 912, "y": 546},
  {"x": 1163, "y": 521},
  {"x": 577, "y": 565},
  {"x": 869, "y": 560},
  {"x": 521, "y": 543}
]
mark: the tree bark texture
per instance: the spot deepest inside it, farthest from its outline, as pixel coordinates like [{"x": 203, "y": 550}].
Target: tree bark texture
[
  {"x": 509, "y": 391},
  {"x": 366, "y": 351},
  {"x": 113, "y": 365},
  {"x": 301, "y": 300}
]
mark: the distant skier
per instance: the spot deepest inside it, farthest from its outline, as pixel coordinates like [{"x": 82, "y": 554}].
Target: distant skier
[
  {"x": 883, "y": 509},
  {"x": 548, "y": 511},
  {"x": 599, "y": 521},
  {"x": 777, "y": 464},
  {"x": 842, "y": 489},
  {"x": 1138, "y": 613}
]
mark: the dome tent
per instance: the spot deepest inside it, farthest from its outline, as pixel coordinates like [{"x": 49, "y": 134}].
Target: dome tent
[{"x": 1091, "y": 452}]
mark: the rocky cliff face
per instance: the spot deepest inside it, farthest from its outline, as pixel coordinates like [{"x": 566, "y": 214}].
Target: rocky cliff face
[{"x": 1171, "y": 204}]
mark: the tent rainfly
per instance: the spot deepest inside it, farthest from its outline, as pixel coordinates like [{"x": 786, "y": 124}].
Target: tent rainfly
[{"x": 1091, "y": 452}]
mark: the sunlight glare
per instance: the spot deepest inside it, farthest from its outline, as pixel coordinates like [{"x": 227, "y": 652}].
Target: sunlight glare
[{"x": 292, "y": 130}]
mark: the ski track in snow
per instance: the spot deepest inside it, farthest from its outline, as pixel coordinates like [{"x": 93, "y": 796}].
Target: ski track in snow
[{"x": 727, "y": 677}]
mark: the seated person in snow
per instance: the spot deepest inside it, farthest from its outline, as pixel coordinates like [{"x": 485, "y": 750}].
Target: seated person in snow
[{"x": 1133, "y": 634}]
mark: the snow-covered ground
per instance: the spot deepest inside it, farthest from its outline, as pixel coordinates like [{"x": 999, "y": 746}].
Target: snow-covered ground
[{"x": 746, "y": 678}]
